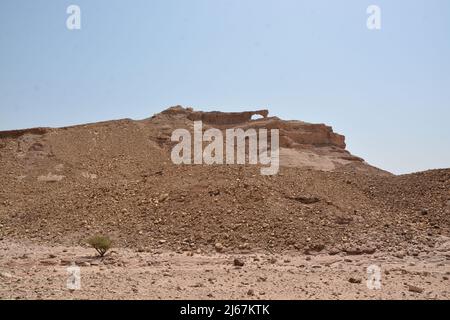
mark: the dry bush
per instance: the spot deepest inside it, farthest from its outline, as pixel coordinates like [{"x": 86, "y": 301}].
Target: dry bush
[{"x": 100, "y": 243}]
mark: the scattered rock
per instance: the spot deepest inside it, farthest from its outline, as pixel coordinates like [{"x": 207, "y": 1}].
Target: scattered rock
[
  {"x": 305, "y": 200},
  {"x": 334, "y": 251},
  {"x": 368, "y": 250},
  {"x": 355, "y": 280},
  {"x": 272, "y": 260},
  {"x": 318, "y": 247},
  {"x": 198, "y": 285},
  {"x": 342, "y": 220},
  {"x": 49, "y": 262},
  {"x": 163, "y": 197},
  {"x": 214, "y": 192},
  {"x": 353, "y": 251},
  {"x": 219, "y": 247},
  {"x": 244, "y": 246},
  {"x": 238, "y": 262},
  {"x": 262, "y": 279},
  {"x": 65, "y": 262},
  {"x": 399, "y": 254},
  {"x": 415, "y": 289}
]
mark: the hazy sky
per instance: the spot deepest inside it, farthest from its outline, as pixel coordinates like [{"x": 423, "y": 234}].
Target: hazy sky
[{"x": 387, "y": 91}]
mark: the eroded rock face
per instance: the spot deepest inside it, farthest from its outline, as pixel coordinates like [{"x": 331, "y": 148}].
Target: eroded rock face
[
  {"x": 217, "y": 117},
  {"x": 292, "y": 133},
  {"x": 225, "y": 118},
  {"x": 302, "y": 144},
  {"x": 19, "y": 133}
]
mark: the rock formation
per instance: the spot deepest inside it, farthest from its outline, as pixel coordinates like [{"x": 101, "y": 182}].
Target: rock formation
[{"x": 302, "y": 144}]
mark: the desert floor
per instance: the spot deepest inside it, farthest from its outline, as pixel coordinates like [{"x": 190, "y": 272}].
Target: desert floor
[{"x": 36, "y": 271}]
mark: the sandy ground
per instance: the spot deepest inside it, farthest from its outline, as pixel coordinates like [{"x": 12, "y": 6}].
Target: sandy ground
[{"x": 30, "y": 271}]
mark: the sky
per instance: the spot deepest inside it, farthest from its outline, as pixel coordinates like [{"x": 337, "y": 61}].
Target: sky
[{"x": 386, "y": 90}]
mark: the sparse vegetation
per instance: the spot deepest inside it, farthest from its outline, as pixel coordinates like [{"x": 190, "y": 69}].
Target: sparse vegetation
[{"x": 101, "y": 244}]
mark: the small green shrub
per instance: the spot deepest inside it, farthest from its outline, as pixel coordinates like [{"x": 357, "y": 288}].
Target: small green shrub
[{"x": 100, "y": 243}]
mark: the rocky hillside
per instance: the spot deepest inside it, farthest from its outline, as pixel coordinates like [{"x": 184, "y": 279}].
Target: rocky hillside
[{"x": 64, "y": 185}]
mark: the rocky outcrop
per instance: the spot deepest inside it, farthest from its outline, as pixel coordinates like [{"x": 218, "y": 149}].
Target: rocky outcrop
[
  {"x": 292, "y": 133},
  {"x": 300, "y": 134},
  {"x": 302, "y": 144},
  {"x": 217, "y": 117},
  {"x": 226, "y": 118},
  {"x": 19, "y": 133}
]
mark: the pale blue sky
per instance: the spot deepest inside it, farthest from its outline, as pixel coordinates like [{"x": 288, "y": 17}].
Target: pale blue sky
[{"x": 388, "y": 91}]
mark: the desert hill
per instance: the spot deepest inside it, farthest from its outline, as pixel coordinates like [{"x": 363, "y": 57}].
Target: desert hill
[{"x": 62, "y": 185}]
